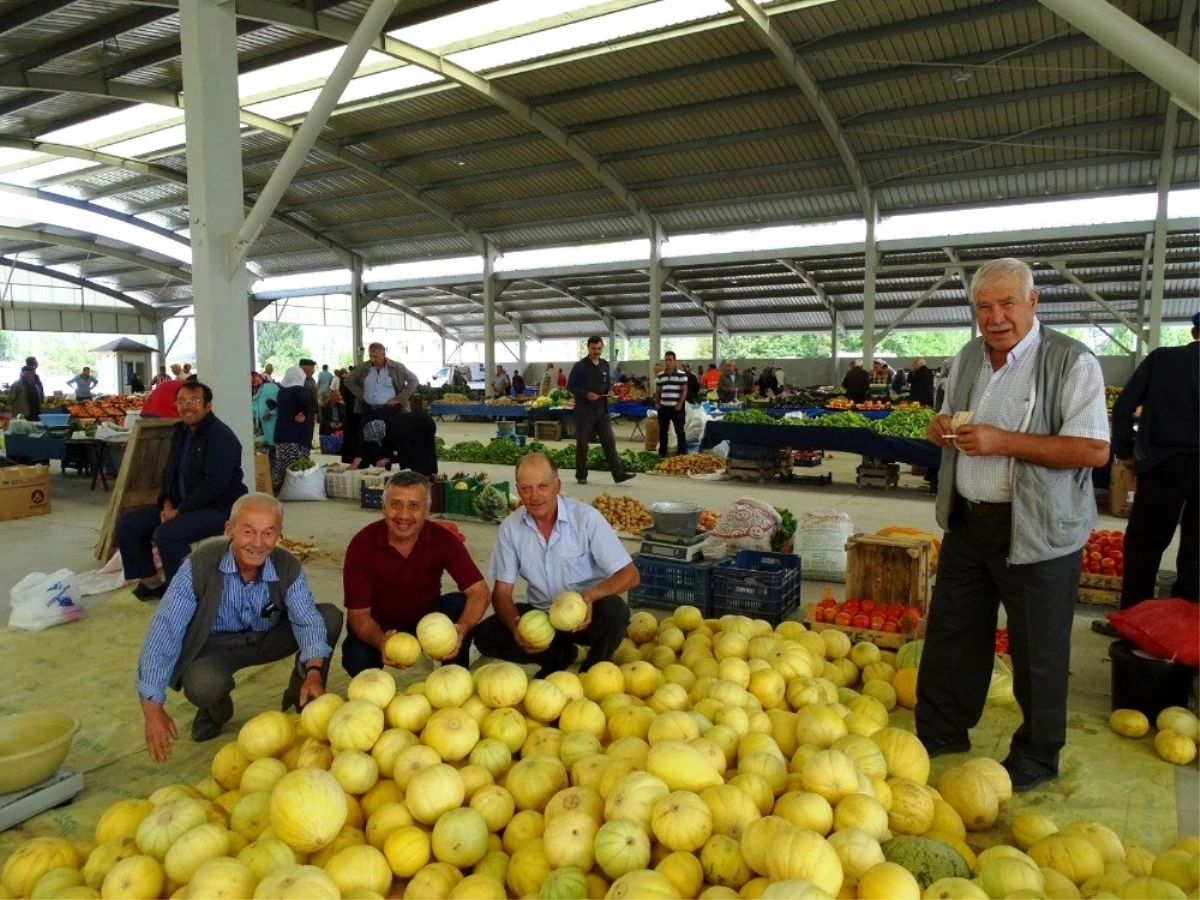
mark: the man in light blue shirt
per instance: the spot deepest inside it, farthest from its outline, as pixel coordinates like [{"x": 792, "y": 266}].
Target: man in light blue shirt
[
  {"x": 234, "y": 603},
  {"x": 84, "y": 383},
  {"x": 556, "y": 544},
  {"x": 381, "y": 388}
]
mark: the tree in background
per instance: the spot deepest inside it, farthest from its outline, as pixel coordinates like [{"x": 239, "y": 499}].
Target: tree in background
[
  {"x": 60, "y": 354},
  {"x": 281, "y": 344},
  {"x": 10, "y": 347}
]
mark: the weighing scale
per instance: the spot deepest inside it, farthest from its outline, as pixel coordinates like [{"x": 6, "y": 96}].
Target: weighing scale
[
  {"x": 673, "y": 547},
  {"x": 24, "y": 804}
]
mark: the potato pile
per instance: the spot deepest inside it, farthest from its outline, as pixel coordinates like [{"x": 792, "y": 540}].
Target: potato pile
[
  {"x": 708, "y": 519},
  {"x": 692, "y": 464},
  {"x": 626, "y": 515}
]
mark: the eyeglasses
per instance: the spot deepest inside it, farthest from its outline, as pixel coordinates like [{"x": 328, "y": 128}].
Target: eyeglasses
[{"x": 182, "y": 402}]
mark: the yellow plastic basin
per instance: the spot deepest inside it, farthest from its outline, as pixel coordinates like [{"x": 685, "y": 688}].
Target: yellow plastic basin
[{"x": 32, "y": 746}]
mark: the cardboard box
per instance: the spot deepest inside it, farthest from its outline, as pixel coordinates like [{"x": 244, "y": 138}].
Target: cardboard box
[
  {"x": 262, "y": 474},
  {"x": 1121, "y": 486},
  {"x": 24, "y": 491}
]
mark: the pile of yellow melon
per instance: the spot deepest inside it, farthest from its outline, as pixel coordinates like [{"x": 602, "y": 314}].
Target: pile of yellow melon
[
  {"x": 1178, "y": 731},
  {"x": 720, "y": 759}
]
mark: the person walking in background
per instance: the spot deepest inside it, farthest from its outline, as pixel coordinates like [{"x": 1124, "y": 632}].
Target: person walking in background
[
  {"x": 768, "y": 384},
  {"x": 324, "y": 383},
  {"x": 711, "y": 378},
  {"x": 268, "y": 372},
  {"x": 727, "y": 384},
  {"x": 693, "y": 384},
  {"x": 1165, "y": 454},
  {"x": 83, "y": 383},
  {"x": 24, "y": 398},
  {"x": 264, "y": 405},
  {"x": 1015, "y": 501},
  {"x": 671, "y": 389},
  {"x": 293, "y": 425},
  {"x": 309, "y": 368},
  {"x": 920, "y": 382},
  {"x": 562, "y": 379},
  {"x": 591, "y": 383},
  {"x": 518, "y": 385},
  {"x": 162, "y": 377},
  {"x": 547, "y": 384}
]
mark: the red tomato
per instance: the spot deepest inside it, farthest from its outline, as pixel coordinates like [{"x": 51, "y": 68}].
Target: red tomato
[
  {"x": 818, "y": 614},
  {"x": 853, "y": 603},
  {"x": 862, "y": 620},
  {"x": 1107, "y": 563},
  {"x": 1116, "y": 555},
  {"x": 842, "y": 618},
  {"x": 892, "y": 626},
  {"x": 895, "y": 611},
  {"x": 868, "y": 606},
  {"x": 827, "y": 602},
  {"x": 877, "y": 622}
]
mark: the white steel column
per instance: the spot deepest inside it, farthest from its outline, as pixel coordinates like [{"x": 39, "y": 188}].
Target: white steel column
[
  {"x": 208, "y": 36},
  {"x": 521, "y": 351},
  {"x": 716, "y": 341},
  {"x": 612, "y": 342},
  {"x": 490, "y": 290},
  {"x": 356, "y": 311},
  {"x": 833, "y": 346},
  {"x": 160, "y": 337},
  {"x": 658, "y": 275},
  {"x": 443, "y": 349},
  {"x": 868, "y": 324}
]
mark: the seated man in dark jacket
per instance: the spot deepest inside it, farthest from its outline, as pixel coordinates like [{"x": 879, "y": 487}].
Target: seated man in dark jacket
[
  {"x": 202, "y": 480},
  {"x": 237, "y": 603}
]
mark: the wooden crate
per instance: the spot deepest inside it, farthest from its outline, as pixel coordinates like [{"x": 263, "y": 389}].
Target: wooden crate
[
  {"x": 262, "y": 474},
  {"x": 1102, "y": 597},
  {"x": 778, "y": 461},
  {"x": 889, "y": 570},
  {"x": 547, "y": 431}
]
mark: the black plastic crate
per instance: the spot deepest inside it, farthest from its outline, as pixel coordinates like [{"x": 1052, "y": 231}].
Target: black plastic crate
[
  {"x": 738, "y": 450},
  {"x": 370, "y": 497},
  {"x": 667, "y": 584},
  {"x": 758, "y": 584}
]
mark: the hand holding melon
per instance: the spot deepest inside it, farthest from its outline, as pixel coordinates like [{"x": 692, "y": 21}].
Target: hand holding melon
[
  {"x": 400, "y": 650},
  {"x": 570, "y": 612}
]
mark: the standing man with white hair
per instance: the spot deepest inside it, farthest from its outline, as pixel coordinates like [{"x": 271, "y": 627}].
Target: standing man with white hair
[
  {"x": 240, "y": 602},
  {"x": 1022, "y": 426}
]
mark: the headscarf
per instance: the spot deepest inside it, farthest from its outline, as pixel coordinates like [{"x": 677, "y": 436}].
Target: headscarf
[{"x": 293, "y": 377}]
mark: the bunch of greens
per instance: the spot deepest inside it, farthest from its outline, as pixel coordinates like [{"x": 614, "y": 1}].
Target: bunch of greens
[
  {"x": 303, "y": 464},
  {"x": 502, "y": 452},
  {"x": 844, "y": 419},
  {"x": 906, "y": 423},
  {"x": 748, "y": 417},
  {"x": 786, "y": 530}
]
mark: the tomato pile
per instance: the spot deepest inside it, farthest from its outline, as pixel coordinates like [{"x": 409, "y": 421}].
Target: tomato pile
[
  {"x": 858, "y": 613},
  {"x": 1002, "y": 640},
  {"x": 1104, "y": 554}
]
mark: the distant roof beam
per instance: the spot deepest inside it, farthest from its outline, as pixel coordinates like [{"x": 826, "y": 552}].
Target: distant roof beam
[
  {"x": 672, "y": 281},
  {"x": 815, "y": 286},
  {"x": 95, "y": 248},
  {"x": 437, "y": 329},
  {"x": 911, "y": 308},
  {"x": 145, "y": 310},
  {"x": 1066, "y": 273},
  {"x": 571, "y": 294},
  {"x": 328, "y": 26},
  {"x": 30, "y": 12}
]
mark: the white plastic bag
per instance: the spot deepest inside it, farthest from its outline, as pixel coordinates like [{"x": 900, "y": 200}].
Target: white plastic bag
[
  {"x": 820, "y": 541},
  {"x": 308, "y": 484},
  {"x": 721, "y": 450},
  {"x": 694, "y": 421},
  {"x": 748, "y": 524},
  {"x": 40, "y": 600}
]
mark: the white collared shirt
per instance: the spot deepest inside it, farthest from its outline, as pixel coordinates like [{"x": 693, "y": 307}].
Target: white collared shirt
[{"x": 1004, "y": 398}]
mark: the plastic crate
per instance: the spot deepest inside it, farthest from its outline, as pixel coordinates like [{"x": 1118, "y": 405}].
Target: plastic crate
[
  {"x": 370, "y": 497},
  {"x": 330, "y": 443},
  {"x": 547, "y": 431},
  {"x": 758, "y": 584},
  {"x": 462, "y": 503},
  {"x": 667, "y": 584}
]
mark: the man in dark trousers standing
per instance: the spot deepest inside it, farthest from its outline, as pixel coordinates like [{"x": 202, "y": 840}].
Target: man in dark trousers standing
[
  {"x": 1166, "y": 457},
  {"x": 920, "y": 382},
  {"x": 202, "y": 480},
  {"x": 591, "y": 382},
  {"x": 1015, "y": 501},
  {"x": 672, "y": 388}
]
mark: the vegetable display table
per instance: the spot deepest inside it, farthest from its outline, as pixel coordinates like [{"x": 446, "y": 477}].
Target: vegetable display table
[{"x": 861, "y": 441}]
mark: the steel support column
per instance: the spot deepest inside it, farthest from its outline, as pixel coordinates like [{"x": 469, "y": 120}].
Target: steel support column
[
  {"x": 658, "y": 275},
  {"x": 357, "y": 304},
  {"x": 160, "y": 338},
  {"x": 613, "y": 357},
  {"x": 521, "y": 351},
  {"x": 491, "y": 289},
  {"x": 208, "y": 37},
  {"x": 833, "y": 345},
  {"x": 444, "y": 356},
  {"x": 716, "y": 341},
  {"x": 872, "y": 261}
]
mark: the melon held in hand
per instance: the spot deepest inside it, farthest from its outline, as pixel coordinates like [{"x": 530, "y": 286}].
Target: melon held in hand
[
  {"x": 535, "y": 629},
  {"x": 568, "y": 611},
  {"x": 437, "y": 635},
  {"x": 403, "y": 649}
]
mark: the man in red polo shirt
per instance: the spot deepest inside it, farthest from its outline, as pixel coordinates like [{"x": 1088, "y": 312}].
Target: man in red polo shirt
[{"x": 392, "y": 577}]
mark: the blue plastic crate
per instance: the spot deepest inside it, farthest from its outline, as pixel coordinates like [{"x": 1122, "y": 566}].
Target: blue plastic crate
[
  {"x": 758, "y": 584},
  {"x": 330, "y": 443},
  {"x": 667, "y": 584}
]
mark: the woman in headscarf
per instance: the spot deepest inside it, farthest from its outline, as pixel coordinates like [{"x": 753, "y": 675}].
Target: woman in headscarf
[{"x": 293, "y": 424}]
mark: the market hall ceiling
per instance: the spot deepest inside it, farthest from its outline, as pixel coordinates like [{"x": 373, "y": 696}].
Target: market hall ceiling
[{"x": 696, "y": 126}]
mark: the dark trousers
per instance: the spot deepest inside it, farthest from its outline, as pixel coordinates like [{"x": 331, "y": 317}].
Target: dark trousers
[
  {"x": 974, "y": 578},
  {"x": 208, "y": 681},
  {"x": 358, "y": 655},
  {"x": 670, "y": 417},
  {"x": 610, "y": 618},
  {"x": 351, "y": 435},
  {"x": 591, "y": 420},
  {"x": 1166, "y": 496},
  {"x": 139, "y": 532}
]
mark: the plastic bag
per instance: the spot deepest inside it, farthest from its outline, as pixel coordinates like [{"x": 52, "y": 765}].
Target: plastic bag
[
  {"x": 747, "y": 525},
  {"x": 40, "y": 600},
  {"x": 820, "y": 542},
  {"x": 1168, "y": 629},
  {"x": 1000, "y": 690},
  {"x": 721, "y": 450},
  {"x": 308, "y": 484},
  {"x": 694, "y": 421}
]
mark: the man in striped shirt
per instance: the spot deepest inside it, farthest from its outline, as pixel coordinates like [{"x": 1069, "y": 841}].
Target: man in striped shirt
[
  {"x": 234, "y": 603},
  {"x": 1022, "y": 426},
  {"x": 672, "y": 388}
]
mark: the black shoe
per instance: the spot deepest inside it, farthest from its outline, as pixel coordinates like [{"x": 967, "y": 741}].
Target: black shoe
[
  {"x": 1104, "y": 627},
  {"x": 209, "y": 722},
  {"x": 146, "y": 594},
  {"x": 624, "y": 476},
  {"x": 558, "y": 659},
  {"x": 1026, "y": 781},
  {"x": 938, "y": 748}
]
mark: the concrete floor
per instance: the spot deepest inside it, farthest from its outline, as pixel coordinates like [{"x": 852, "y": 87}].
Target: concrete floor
[{"x": 67, "y": 536}]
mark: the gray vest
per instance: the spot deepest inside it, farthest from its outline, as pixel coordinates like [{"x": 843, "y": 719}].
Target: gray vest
[
  {"x": 1053, "y": 509},
  {"x": 208, "y": 582}
]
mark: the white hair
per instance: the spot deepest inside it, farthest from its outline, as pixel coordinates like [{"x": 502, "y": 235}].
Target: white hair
[
  {"x": 264, "y": 502},
  {"x": 1002, "y": 269}
]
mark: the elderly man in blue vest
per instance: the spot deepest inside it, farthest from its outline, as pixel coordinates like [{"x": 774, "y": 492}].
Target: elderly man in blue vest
[
  {"x": 239, "y": 602},
  {"x": 1022, "y": 426}
]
